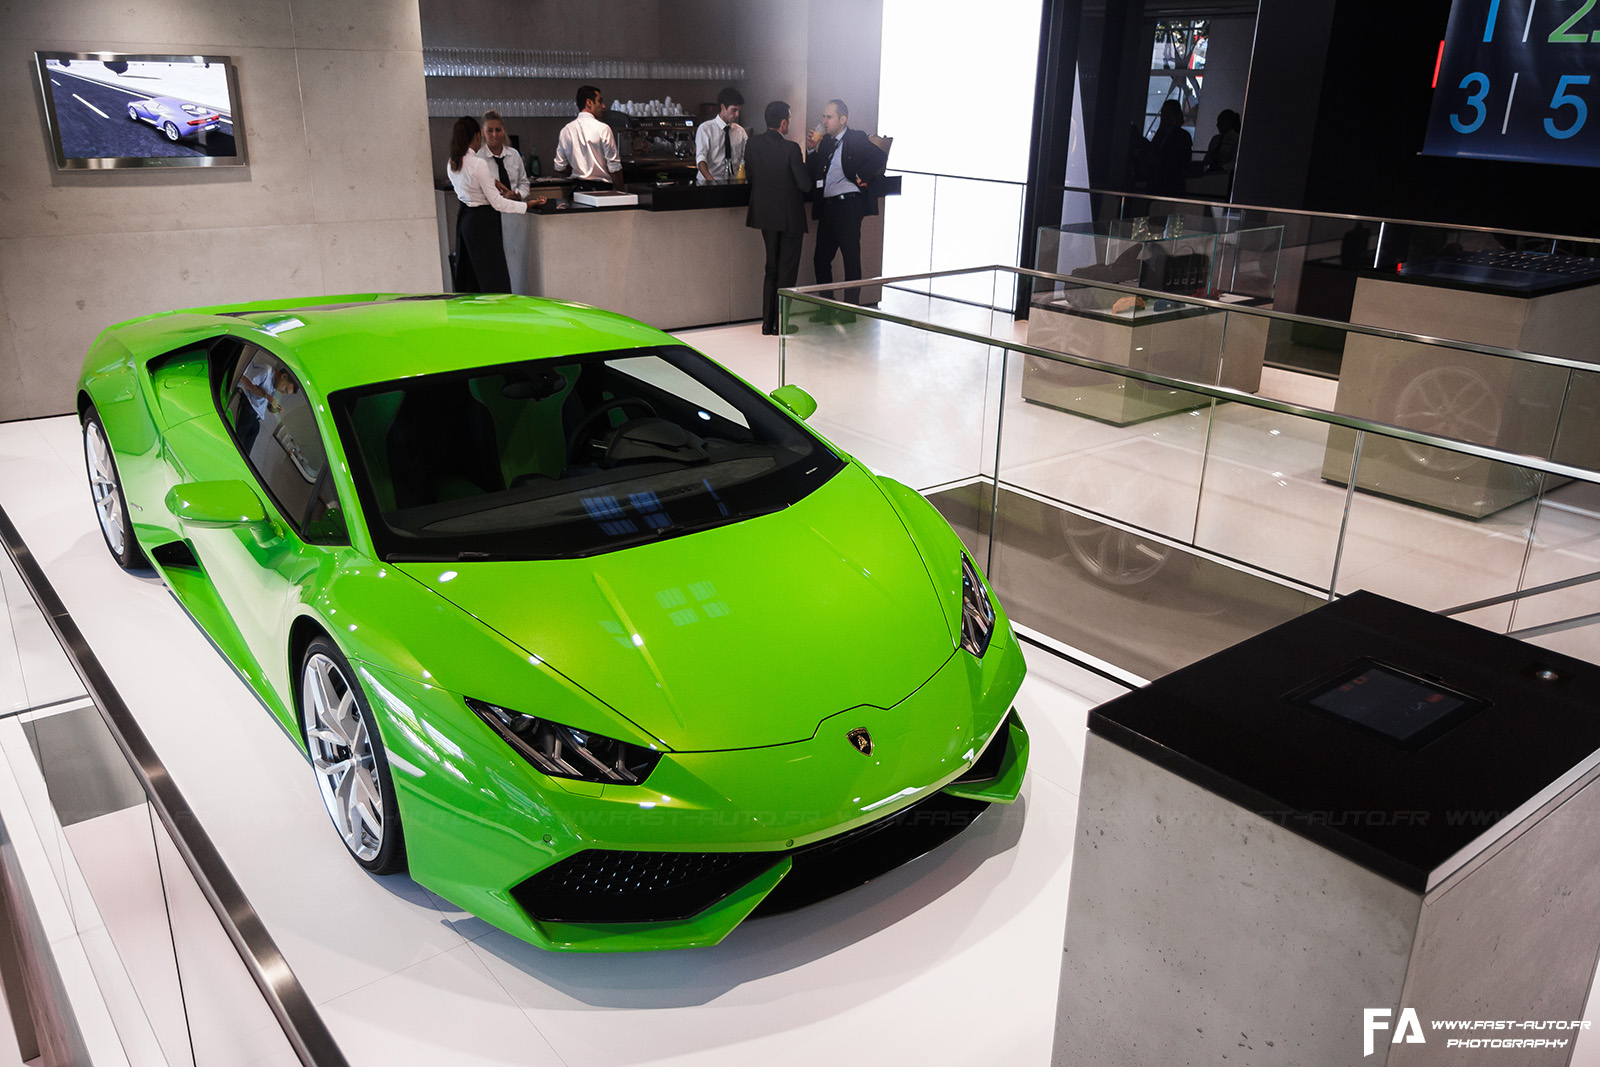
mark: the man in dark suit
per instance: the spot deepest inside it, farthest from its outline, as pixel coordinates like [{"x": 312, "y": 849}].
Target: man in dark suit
[
  {"x": 778, "y": 184},
  {"x": 843, "y": 160}
]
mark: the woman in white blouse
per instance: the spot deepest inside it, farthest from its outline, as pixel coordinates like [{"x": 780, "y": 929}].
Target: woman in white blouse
[{"x": 480, "y": 251}]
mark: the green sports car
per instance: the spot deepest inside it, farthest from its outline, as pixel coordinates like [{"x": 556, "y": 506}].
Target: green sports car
[{"x": 594, "y": 639}]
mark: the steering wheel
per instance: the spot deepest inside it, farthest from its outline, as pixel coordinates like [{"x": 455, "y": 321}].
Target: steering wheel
[{"x": 594, "y": 416}]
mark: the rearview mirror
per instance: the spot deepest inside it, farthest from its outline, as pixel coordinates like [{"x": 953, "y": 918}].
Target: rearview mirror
[
  {"x": 216, "y": 505},
  {"x": 795, "y": 399}
]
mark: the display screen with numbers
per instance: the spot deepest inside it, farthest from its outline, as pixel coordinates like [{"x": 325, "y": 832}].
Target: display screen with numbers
[{"x": 1516, "y": 80}]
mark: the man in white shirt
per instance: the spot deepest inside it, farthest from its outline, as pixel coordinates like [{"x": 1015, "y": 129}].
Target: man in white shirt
[
  {"x": 719, "y": 144},
  {"x": 505, "y": 161},
  {"x": 587, "y": 149}
]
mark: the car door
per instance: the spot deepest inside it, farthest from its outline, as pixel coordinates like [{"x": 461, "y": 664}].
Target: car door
[{"x": 262, "y": 431}]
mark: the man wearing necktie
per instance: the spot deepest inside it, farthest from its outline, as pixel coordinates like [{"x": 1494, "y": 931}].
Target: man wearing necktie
[
  {"x": 504, "y": 160},
  {"x": 843, "y": 161},
  {"x": 719, "y": 143}
]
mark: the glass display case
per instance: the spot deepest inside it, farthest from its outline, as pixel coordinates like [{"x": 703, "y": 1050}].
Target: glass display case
[{"x": 1186, "y": 256}]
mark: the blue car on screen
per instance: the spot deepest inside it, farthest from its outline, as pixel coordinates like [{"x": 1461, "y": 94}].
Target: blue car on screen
[{"x": 178, "y": 120}]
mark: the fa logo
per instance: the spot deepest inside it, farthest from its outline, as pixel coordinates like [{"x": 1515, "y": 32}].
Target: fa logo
[{"x": 1375, "y": 1019}]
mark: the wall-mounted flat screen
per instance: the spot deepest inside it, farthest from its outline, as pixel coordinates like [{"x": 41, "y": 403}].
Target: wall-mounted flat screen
[
  {"x": 109, "y": 110},
  {"x": 1516, "y": 80}
]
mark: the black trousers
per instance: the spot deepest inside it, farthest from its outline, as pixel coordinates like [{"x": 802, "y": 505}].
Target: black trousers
[
  {"x": 480, "y": 252},
  {"x": 783, "y": 268},
  {"x": 839, "y": 232}
]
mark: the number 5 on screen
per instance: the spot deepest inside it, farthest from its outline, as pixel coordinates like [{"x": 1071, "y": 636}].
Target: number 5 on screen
[{"x": 1562, "y": 99}]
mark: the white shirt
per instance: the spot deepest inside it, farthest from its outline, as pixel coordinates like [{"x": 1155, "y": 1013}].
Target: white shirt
[
  {"x": 589, "y": 148},
  {"x": 834, "y": 182},
  {"x": 516, "y": 173},
  {"x": 708, "y": 148},
  {"x": 474, "y": 185},
  {"x": 259, "y": 374}
]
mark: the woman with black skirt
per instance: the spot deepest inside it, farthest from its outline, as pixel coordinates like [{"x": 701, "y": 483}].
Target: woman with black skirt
[{"x": 480, "y": 252}]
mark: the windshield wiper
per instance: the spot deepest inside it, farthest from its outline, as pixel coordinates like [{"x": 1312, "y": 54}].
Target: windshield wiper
[{"x": 441, "y": 557}]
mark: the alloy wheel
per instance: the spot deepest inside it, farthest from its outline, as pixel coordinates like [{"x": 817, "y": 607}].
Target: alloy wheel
[
  {"x": 343, "y": 756},
  {"x": 103, "y": 486}
]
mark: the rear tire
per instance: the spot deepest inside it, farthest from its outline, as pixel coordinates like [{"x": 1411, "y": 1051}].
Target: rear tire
[
  {"x": 171, "y": 131},
  {"x": 105, "y": 489},
  {"x": 348, "y": 758}
]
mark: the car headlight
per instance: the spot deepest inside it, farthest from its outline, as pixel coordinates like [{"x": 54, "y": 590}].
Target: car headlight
[
  {"x": 564, "y": 752},
  {"x": 977, "y": 612}
]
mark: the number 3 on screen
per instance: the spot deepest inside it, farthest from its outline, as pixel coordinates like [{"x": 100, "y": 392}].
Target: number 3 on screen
[
  {"x": 1475, "y": 101},
  {"x": 1563, "y": 99}
]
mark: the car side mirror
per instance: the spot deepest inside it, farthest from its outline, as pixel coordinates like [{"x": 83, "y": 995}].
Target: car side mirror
[
  {"x": 216, "y": 505},
  {"x": 796, "y": 400}
]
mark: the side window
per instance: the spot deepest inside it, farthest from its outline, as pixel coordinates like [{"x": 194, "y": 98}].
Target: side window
[{"x": 271, "y": 420}]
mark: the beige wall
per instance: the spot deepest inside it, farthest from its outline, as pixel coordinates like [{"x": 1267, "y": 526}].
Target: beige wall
[{"x": 337, "y": 196}]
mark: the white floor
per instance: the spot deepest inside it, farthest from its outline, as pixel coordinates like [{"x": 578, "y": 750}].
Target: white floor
[{"x": 896, "y": 970}]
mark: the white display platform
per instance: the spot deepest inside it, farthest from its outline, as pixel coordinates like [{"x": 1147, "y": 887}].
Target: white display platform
[{"x": 953, "y": 959}]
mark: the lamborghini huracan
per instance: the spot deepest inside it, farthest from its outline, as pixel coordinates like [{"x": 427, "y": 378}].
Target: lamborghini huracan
[{"x": 591, "y": 637}]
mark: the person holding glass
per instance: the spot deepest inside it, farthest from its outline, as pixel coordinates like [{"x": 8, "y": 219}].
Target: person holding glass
[
  {"x": 843, "y": 160},
  {"x": 480, "y": 249}
]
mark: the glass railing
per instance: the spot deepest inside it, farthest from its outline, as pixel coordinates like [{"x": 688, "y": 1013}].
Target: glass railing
[
  {"x": 1326, "y": 256},
  {"x": 943, "y": 222},
  {"x": 139, "y": 946},
  {"x": 1144, "y": 490}
]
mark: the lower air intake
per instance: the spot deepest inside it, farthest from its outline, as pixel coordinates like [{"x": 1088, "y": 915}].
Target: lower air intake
[{"x": 607, "y": 886}]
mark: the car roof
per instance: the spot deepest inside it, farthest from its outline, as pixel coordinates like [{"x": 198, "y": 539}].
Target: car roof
[{"x": 339, "y": 342}]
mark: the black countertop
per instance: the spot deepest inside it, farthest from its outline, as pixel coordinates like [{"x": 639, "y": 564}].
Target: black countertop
[
  {"x": 681, "y": 197},
  {"x": 1228, "y": 724},
  {"x": 1500, "y": 272}
]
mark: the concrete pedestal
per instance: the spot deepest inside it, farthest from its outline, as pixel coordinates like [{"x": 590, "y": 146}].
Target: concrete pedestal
[
  {"x": 1196, "y": 344},
  {"x": 1487, "y": 400},
  {"x": 1252, "y": 874}
]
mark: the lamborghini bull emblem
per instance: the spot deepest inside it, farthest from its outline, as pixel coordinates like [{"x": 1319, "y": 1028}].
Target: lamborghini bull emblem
[{"x": 861, "y": 739}]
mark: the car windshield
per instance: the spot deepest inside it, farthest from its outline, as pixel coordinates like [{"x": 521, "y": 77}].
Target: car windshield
[{"x": 559, "y": 458}]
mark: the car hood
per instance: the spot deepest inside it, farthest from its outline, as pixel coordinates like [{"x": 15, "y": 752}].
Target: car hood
[{"x": 732, "y": 637}]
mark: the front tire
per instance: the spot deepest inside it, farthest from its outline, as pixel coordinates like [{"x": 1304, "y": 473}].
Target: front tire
[
  {"x": 349, "y": 761},
  {"x": 105, "y": 487},
  {"x": 133, "y": 113}
]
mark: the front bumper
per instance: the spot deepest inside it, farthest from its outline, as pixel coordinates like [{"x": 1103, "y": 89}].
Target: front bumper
[{"x": 683, "y": 859}]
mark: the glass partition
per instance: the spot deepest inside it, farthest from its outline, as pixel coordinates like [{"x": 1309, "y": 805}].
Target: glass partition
[
  {"x": 1145, "y": 488},
  {"x": 941, "y": 222}
]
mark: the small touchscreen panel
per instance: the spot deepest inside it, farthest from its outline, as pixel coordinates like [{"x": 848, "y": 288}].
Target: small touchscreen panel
[{"x": 1407, "y": 710}]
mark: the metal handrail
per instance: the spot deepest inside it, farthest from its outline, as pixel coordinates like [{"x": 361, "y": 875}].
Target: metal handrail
[
  {"x": 1220, "y": 305},
  {"x": 1146, "y": 195},
  {"x": 955, "y": 177},
  {"x": 285, "y": 996},
  {"x": 809, "y": 294}
]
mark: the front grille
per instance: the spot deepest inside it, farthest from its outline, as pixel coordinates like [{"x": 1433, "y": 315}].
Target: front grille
[
  {"x": 830, "y": 867},
  {"x": 612, "y": 886}
]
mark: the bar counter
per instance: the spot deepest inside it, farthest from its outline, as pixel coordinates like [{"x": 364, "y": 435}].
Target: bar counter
[{"x": 681, "y": 257}]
